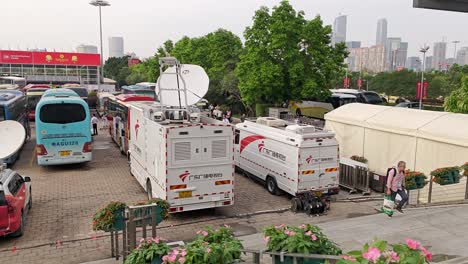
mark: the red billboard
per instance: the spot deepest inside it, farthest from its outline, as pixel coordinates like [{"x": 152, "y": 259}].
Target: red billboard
[
  {"x": 424, "y": 91},
  {"x": 346, "y": 82},
  {"x": 51, "y": 58}
]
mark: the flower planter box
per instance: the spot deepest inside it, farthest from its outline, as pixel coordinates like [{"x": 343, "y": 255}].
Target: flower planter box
[
  {"x": 290, "y": 260},
  {"x": 118, "y": 224},
  {"x": 157, "y": 260},
  {"x": 146, "y": 213}
]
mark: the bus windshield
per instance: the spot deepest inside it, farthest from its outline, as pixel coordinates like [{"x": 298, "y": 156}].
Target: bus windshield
[
  {"x": 53, "y": 113},
  {"x": 32, "y": 101}
]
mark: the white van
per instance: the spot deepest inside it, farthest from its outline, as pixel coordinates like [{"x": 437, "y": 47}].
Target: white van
[
  {"x": 185, "y": 159},
  {"x": 292, "y": 158}
]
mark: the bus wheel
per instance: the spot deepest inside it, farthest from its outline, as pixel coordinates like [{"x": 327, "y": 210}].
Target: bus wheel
[
  {"x": 272, "y": 186},
  {"x": 149, "y": 191}
]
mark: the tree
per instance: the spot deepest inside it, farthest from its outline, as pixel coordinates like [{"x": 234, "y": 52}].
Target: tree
[
  {"x": 439, "y": 86},
  {"x": 287, "y": 57},
  {"x": 457, "y": 102},
  {"x": 117, "y": 69}
]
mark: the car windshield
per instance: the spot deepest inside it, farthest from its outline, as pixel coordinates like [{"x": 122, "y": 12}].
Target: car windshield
[
  {"x": 33, "y": 100},
  {"x": 62, "y": 113},
  {"x": 373, "y": 98}
]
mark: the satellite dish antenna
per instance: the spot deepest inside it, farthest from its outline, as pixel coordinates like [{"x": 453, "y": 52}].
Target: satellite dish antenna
[
  {"x": 181, "y": 84},
  {"x": 12, "y": 137}
]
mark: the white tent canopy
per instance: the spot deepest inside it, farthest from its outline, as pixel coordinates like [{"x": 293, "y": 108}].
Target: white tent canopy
[{"x": 426, "y": 140}]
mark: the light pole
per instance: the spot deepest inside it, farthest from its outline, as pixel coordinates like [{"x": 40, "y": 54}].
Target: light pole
[
  {"x": 421, "y": 87},
  {"x": 100, "y": 3}
]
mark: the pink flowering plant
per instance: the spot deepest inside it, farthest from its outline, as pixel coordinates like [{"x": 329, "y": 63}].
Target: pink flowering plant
[
  {"x": 304, "y": 239},
  {"x": 147, "y": 251},
  {"x": 380, "y": 252},
  {"x": 210, "y": 247}
]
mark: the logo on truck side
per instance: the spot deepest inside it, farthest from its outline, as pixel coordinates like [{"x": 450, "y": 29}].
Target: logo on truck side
[
  {"x": 199, "y": 177},
  {"x": 270, "y": 153},
  {"x": 184, "y": 175},
  {"x": 137, "y": 127},
  {"x": 309, "y": 159}
]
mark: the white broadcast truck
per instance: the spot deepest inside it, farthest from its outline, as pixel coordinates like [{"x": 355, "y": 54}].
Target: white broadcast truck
[
  {"x": 181, "y": 156},
  {"x": 294, "y": 158}
]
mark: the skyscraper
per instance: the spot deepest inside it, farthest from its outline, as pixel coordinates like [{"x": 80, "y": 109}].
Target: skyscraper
[
  {"x": 353, "y": 44},
  {"x": 428, "y": 63},
  {"x": 116, "y": 47},
  {"x": 462, "y": 56},
  {"x": 401, "y": 54},
  {"x": 381, "y": 38},
  {"x": 438, "y": 55},
  {"x": 413, "y": 63},
  {"x": 339, "y": 30},
  {"x": 391, "y": 50}
]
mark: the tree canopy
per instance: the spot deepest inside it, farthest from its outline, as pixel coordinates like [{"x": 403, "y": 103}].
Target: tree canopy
[
  {"x": 117, "y": 69},
  {"x": 287, "y": 57},
  {"x": 457, "y": 102}
]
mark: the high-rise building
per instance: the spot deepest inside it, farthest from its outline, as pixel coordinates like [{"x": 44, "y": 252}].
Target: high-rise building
[
  {"x": 428, "y": 63},
  {"x": 439, "y": 52},
  {"x": 413, "y": 63},
  {"x": 462, "y": 56},
  {"x": 368, "y": 59},
  {"x": 339, "y": 30},
  {"x": 381, "y": 37},
  {"x": 116, "y": 47},
  {"x": 376, "y": 61},
  {"x": 87, "y": 49},
  {"x": 391, "y": 50},
  {"x": 401, "y": 54},
  {"x": 353, "y": 44}
]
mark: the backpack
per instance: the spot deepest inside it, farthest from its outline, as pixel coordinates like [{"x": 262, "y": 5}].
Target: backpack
[{"x": 389, "y": 170}]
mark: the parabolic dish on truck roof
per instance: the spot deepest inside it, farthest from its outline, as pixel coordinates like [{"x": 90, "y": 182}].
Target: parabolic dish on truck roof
[
  {"x": 196, "y": 82},
  {"x": 12, "y": 137}
]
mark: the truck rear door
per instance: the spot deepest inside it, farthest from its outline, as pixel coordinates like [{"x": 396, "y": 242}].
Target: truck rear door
[
  {"x": 309, "y": 169},
  {"x": 329, "y": 163},
  {"x": 4, "y": 220}
]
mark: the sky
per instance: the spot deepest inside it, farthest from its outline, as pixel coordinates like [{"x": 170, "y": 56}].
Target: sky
[{"x": 62, "y": 25}]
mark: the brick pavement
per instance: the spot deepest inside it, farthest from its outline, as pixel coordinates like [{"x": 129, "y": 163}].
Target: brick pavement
[{"x": 65, "y": 198}]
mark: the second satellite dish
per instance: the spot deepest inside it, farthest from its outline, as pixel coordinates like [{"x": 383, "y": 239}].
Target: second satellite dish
[{"x": 196, "y": 83}]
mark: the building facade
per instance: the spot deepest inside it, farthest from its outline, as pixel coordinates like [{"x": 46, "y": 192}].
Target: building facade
[
  {"x": 116, "y": 47},
  {"x": 87, "y": 49},
  {"x": 439, "y": 54},
  {"x": 381, "y": 36},
  {"x": 339, "y": 30},
  {"x": 413, "y": 63},
  {"x": 367, "y": 59},
  {"x": 50, "y": 67},
  {"x": 428, "y": 63},
  {"x": 462, "y": 56},
  {"x": 353, "y": 44}
]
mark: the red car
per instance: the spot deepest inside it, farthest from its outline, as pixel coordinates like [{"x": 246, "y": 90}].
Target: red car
[{"x": 15, "y": 202}]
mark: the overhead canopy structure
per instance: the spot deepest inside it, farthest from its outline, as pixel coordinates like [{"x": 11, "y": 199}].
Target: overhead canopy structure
[
  {"x": 384, "y": 135},
  {"x": 447, "y": 5}
]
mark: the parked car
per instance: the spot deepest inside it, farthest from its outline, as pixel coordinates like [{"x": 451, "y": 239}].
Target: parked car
[
  {"x": 409, "y": 105},
  {"x": 15, "y": 201},
  {"x": 365, "y": 97}
]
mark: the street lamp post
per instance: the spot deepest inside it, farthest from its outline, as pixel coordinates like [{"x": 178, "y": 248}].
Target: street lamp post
[
  {"x": 100, "y": 3},
  {"x": 421, "y": 87}
]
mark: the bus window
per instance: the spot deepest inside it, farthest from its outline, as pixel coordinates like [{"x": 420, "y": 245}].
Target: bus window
[
  {"x": 53, "y": 113},
  {"x": 17, "y": 109}
]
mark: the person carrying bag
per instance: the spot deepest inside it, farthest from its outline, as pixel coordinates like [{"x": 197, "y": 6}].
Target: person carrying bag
[{"x": 396, "y": 184}]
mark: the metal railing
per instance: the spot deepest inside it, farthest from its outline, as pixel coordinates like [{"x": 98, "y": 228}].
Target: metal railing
[{"x": 354, "y": 176}]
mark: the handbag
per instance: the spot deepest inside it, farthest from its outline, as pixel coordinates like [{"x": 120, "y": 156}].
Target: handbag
[{"x": 388, "y": 205}]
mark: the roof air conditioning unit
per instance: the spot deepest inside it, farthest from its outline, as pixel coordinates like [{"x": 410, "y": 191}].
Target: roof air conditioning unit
[
  {"x": 300, "y": 129},
  {"x": 176, "y": 115},
  {"x": 271, "y": 121},
  {"x": 195, "y": 117}
]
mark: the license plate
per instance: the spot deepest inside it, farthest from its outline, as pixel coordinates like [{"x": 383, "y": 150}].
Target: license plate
[
  {"x": 185, "y": 194},
  {"x": 64, "y": 153}
]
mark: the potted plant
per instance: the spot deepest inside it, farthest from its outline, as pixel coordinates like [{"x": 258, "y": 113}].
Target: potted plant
[
  {"x": 305, "y": 239},
  {"x": 380, "y": 252},
  {"x": 465, "y": 169},
  {"x": 210, "y": 247},
  {"x": 110, "y": 217},
  {"x": 149, "y": 251},
  {"x": 446, "y": 176},
  {"x": 359, "y": 158},
  {"x": 162, "y": 210},
  {"x": 415, "y": 180}
]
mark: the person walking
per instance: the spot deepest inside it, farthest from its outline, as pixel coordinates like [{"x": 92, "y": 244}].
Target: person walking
[
  {"x": 225, "y": 120},
  {"x": 229, "y": 115},
  {"x": 94, "y": 121},
  {"x": 396, "y": 184}
]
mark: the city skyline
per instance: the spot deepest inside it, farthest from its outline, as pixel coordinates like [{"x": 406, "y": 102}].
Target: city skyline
[{"x": 146, "y": 25}]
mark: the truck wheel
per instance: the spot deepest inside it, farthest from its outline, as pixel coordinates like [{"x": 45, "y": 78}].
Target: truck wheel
[
  {"x": 272, "y": 187},
  {"x": 296, "y": 205},
  {"x": 299, "y": 112},
  {"x": 149, "y": 190}
]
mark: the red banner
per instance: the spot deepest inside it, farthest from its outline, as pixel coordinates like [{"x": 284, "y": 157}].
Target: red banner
[
  {"x": 346, "y": 82},
  {"x": 424, "y": 90},
  {"x": 359, "y": 83},
  {"x": 51, "y": 58}
]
